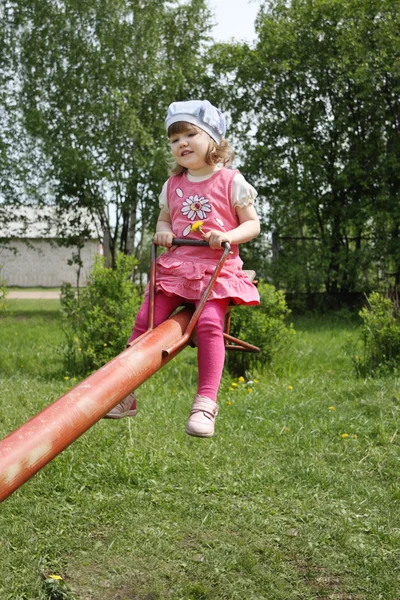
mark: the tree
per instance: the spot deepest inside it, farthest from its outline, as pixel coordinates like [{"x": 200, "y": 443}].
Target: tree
[
  {"x": 96, "y": 78},
  {"x": 318, "y": 99},
  {"x": 14, "y": 168}
]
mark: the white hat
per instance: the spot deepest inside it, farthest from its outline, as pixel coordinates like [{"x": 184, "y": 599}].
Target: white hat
[{"x": 200, "y": 113}]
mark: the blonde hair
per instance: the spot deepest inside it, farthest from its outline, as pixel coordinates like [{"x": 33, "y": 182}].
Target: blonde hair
[{"x": 217, "y": 154}]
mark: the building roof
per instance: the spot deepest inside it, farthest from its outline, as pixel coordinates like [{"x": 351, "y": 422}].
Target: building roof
[{"x": 45, "y": 222}]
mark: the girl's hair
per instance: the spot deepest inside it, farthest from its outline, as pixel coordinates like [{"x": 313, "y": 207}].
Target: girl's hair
[{"x": 220, "y": 153}]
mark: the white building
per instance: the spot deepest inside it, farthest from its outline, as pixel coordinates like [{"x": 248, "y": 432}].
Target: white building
[{"x": 31, "y": 257}]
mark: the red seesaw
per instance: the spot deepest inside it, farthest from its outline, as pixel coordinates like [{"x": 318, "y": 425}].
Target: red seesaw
[{"x": 34, "y": 444}]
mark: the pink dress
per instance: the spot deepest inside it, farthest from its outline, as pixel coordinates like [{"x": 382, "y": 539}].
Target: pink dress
[{"x": 186, "y": 271}]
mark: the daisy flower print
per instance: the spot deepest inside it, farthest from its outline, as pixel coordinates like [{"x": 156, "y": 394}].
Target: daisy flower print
[{"x": 196, "y": 207}]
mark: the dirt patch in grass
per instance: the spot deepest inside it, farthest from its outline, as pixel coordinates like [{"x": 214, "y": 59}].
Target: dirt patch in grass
[
  {"x": 112, "y": 581},
  {"x": 126, "y": 594},
  {"x": 325, "y": 584}
]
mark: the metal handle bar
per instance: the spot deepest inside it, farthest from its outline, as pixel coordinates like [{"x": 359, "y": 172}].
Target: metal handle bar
[{"x": 189, "y": 242}]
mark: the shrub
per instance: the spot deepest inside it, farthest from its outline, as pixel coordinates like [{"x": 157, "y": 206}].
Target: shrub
[
  {"x": 99, "y": 319},
  {"x": 380, "y": 337},
  {"x": 263, "y": 326},
  {"x": 3, "y": 296}
]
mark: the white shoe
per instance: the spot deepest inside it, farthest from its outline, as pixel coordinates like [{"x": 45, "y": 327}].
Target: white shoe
[
  {"x": 126, "y": 408},
  {"x": 202, "y": 417}
]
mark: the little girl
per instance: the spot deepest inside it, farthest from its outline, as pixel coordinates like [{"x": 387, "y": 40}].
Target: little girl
[{"x": 220, "y": 202}]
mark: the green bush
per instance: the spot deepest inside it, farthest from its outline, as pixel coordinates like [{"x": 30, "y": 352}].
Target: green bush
[
  {"x": 263, "y": 326},
  {"x": 380, "y": 336},
  {"x": 3, "y": 296},
  {"x": 99, "y": 320}
]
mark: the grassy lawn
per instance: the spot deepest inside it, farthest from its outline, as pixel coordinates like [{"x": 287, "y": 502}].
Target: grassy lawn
[{"x": 295, "y": 498}]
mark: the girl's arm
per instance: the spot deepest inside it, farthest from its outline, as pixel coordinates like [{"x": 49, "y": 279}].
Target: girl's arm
[
  {"x": 164, "y": 234},
  {"x": 248, "y": 229}
]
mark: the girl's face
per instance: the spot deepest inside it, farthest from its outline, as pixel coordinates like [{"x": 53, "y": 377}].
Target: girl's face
[{"x": 189, "y": 149}]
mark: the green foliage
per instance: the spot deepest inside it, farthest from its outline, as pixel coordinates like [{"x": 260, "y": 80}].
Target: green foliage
[
  {"x": 3, "y": 295},
  {"x": 57, "y": 589},
  {"x": 315, "y": 105},
  {"x": 100, "y": 318},
  {"x": 93, "y": 82},
  {"x": 263, "y": 326},
  {"x": 380, "y": 336}
]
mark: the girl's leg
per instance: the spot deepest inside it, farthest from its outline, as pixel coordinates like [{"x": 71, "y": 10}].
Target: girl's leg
[
  {"x": 164, "y": 306},
  {"x": 211, "y": 347},
  {"x": 211, "y": 358}
]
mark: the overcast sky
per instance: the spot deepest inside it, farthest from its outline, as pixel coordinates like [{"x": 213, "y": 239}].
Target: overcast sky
[{"x": 234, "y": 18}]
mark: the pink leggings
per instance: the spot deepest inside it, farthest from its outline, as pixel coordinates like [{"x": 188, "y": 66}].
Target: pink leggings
[{"x": 210, "y": 340}]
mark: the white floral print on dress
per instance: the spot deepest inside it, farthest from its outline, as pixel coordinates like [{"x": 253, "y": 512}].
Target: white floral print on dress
[{"x": 196, "y": 207}]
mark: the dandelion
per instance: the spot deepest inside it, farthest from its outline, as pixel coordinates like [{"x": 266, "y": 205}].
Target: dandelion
[
  {"x": 228, "y": 403},
  {"x": 56, "y": 577},
  {"x": 105, "y": 345},
  {"x": 345, "y": 435},
  {"x": 234, "y": 384},
  {"x": 249, "y": 389},
  {"x": 66, "y": 378},
  {"x": 241, "y": 379},
  {"x": 331, "y": 408},
  {"x": 197, "y": 225},
  {"x": 290, "y": 387},
  {"x": 354, "y": 436},
  {"x": 256, "y": 381},
  {"x": 231, "y": 389}
]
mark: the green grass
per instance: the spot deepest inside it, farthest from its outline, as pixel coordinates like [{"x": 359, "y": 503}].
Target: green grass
[{"x": 277, "y": 506}]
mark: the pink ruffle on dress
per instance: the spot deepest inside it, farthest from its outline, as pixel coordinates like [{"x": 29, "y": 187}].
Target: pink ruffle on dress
[{"x": 186, "y": 271}]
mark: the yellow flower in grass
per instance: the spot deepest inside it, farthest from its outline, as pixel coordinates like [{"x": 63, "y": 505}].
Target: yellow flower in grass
[
  {"x": 354, "y": 436},
  {"x": 56, "y": 577},
  {"x": 290, "y": 387},
  {"x": 234, "y": 384},
  {"x": 105, "y": 345},
  {"x": 241, "y": 379},
  {"x": 345, "y": 435},
  {"x": 197, "y": 226},
  {"x": 228, "y": 403},
  {"x": 249, "y": 389},
  {"x": 331, "y": 408}
]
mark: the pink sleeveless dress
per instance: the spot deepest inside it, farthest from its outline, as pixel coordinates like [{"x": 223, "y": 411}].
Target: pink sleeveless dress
[{"x": 186, "y": 271}]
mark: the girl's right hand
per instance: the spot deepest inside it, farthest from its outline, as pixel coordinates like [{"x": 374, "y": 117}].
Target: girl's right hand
[{"x": 164, "y": 238}]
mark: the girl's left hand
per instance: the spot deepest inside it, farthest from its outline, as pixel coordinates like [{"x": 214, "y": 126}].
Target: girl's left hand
[{"x": 216, "y": 238}]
